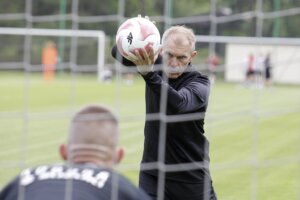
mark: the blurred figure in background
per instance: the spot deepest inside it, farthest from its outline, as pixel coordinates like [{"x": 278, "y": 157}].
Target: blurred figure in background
[
  {"x": 213, "y": 62},
  {"x": 49, "y": 61},
  {"x": 250, "y": 74},
  {"x": 259, "y": 70},
  {"x": 268, "y": 68}
]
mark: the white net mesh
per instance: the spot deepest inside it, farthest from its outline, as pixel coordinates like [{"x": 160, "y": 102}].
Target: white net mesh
[{"x": 253, "y": 128}]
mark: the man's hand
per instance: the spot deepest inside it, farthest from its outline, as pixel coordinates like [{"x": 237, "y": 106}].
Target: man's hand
[{"x": 144, "y": 58}]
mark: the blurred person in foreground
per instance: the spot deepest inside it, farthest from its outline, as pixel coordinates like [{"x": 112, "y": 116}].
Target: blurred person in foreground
[
  {"x": 91, "y": 153},
  {"x": 186, "y": 149}
]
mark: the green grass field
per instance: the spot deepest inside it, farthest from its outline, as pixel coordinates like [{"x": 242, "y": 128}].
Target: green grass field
[{"x": 254, "y": 134}]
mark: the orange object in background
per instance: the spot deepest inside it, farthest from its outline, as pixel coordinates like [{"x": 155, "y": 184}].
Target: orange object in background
[{"x": 49, "y": 61}]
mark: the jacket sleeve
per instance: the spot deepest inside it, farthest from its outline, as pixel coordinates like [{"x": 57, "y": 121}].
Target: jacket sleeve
[
  {"x": 116, "y": 55},
  {"x": 192, "y": 97}
]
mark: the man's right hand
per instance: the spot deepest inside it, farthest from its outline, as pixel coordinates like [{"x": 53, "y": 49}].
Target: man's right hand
[{"x": 144, "y": 58}]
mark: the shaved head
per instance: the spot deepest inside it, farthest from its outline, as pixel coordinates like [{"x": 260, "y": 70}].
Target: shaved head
[{"x": 93, "y": 133}]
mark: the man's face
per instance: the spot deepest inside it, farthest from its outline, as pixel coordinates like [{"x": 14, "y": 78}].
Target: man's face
[{"x": 177, "y": 56}]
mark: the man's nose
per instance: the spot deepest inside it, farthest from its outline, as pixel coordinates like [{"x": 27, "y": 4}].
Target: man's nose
[{"x": 173, "y": 62}]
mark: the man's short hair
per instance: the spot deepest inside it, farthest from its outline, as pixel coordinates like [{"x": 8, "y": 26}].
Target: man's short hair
[
  {"x": 184, "y": 31},
  {"x": 95, "y": 112},
  {"x": 94, "y": 127}
]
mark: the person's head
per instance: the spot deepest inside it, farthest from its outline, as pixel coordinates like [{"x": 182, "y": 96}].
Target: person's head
[
  {"x": 93, "y": 135},
  {"x": 178, "y": 50},
  {"x": 50, "y": 44}
]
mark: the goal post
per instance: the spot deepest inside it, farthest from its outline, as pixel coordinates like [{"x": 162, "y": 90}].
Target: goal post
[{"x": 98, "y": 35}]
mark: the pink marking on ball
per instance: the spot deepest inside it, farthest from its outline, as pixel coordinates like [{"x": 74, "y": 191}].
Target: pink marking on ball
[{"x": 146, "y": 31}]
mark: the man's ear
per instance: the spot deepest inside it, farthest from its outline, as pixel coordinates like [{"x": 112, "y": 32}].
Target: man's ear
[
  {"x": 63, "y": 151},
  {"x": 119, "y": 155},
  {"x": 194, "y": 53}
]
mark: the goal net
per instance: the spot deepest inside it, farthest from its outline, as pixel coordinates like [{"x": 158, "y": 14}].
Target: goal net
[{"x": 252, "y": 122}]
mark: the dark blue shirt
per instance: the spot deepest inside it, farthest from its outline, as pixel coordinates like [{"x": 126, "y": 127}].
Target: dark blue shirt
[{"x": 59, "y": 182}]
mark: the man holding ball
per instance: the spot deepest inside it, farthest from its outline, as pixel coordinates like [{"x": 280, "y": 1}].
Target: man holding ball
[{"x": 178, "y": 95}]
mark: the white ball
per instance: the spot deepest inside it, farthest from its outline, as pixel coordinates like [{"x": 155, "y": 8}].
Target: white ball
[{"x": 136, "y": 33}]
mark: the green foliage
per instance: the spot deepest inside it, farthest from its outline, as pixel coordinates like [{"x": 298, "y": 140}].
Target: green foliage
[
  {"x": 96, "y": 7},
  {"x": 190, "y": 8},
  {"x": 12, "y": 6},
  {"x": 283, "y": 27},
  {"x": 179, "y": 8}
]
